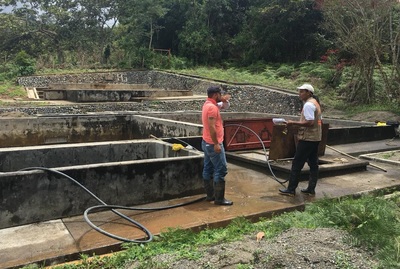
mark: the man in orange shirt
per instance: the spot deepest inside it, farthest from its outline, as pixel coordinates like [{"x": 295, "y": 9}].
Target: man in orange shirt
[{"x": 215, "y": 166}]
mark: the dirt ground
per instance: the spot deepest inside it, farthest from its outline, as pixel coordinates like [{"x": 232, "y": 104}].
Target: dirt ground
[
  {"x": 371, "y": 116},
  {"x": 296, "y": 248},
  {"x": 375, "y": 116}
]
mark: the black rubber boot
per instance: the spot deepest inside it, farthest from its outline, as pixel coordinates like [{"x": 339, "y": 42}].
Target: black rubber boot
[
  {"x": 308, "y": 192},
  {"x": 208, "y": 187},
  {"x": 219, "y": 190},
  {"x": 287, "y": 192},
  {"x": 312, "y": 183},
  {"x": 293, "y": 180},
  {"x": 293, "y": 183}
]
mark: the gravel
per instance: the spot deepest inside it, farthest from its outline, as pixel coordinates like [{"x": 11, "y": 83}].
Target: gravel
[
  {"x": 321, "y": 248},
  {"x": 168, "y": 106}
]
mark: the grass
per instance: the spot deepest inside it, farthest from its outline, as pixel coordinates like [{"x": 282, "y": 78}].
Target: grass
[
  {"x": 289, "y": 77},
  {"x": 268, "y": 77},
  {"x": 388, "y": 155},
  {"x": 372, "y": 223},
  {"x": 11, "y": 90}
]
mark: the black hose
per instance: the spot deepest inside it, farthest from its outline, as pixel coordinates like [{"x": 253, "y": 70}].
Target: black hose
[
  {"x": 282, "y": 182},
  {"x": 135, "y": 223},
  {"x": 112, "y": 208},
  {"x": 265, "y": 151}
]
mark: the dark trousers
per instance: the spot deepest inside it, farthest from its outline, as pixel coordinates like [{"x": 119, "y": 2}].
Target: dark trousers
[{"x": 306, "y": 151}]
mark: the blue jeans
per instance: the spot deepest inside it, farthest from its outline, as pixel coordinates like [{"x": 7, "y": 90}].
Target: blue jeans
[{"x": 215, "y": 165}]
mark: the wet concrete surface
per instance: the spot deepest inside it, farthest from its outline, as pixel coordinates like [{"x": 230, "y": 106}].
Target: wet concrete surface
[{"x": 253, "y": 191}]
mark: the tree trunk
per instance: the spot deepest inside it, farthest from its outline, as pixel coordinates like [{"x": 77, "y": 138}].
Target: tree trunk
[{"x": 151, "y": 34}]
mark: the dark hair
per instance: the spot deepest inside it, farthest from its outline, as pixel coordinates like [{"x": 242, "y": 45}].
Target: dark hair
[
  {"x": 213, "y": 89},
  {"x": 317, "y": 99}
]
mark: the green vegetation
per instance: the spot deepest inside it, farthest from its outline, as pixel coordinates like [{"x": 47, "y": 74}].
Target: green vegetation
[
  {"x": 266, "y": 77},
  {"x": 22, "y": 65},
  {"x": 276, "y": 39},
  {"x": 331, "y": 86},
  {"x": 388, "y": 155},
  {"x": 10, "y": 90},
  {"x": 372, "y": 223}
]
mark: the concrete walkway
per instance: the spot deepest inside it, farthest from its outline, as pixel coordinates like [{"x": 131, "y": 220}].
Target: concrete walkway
[{"x": 254, "y": 193}]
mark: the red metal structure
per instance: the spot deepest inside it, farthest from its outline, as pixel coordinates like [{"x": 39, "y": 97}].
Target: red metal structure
[
  {"x": 245, "y": 134},
  {"x": 238, "y": 136}
]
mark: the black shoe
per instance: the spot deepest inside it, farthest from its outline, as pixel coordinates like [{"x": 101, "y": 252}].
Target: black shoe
[
  {"x": 223, "y": 202},
  {"x": 308, "y": 192},
  {"x": 287, "y": 192}
]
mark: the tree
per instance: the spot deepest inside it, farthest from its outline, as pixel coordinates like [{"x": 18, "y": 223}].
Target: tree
[
  {"x": 63, "y": 25},
  {"x": 369, "y": 29},
  {"x": 138, "y": 24},
  {"x": 210, "y": 28},
  {"x": 281, "y": 31},
  {"x": 195, "y": 37},
  {"x": 10, "y": 32},
  {"x": 141, "y": 16}
]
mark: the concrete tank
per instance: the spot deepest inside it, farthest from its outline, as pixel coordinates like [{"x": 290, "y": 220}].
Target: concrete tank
[{"x": 125, "y": 173}]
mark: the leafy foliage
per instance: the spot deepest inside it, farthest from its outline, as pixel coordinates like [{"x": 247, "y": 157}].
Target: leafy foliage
[
  {"x": 366, "y": 30},
  {"x": 22, "y": 65},
  {"x": 356, "y": 41},
  {"x": 25, "y": 64},
  {"x": 281, "y": 31}
]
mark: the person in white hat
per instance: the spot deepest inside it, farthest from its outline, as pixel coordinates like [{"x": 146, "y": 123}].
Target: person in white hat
[{"x": 309, "y": 135}]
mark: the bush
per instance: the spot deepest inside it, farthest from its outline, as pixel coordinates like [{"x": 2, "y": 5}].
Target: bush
[
  {"x": 257, "y": 67},
  {"x": 25, "y": 64},
  {"x": 285, "y": 71},
  {"x": 179, "y": 63},
  {"x": 22, "y": 65}
]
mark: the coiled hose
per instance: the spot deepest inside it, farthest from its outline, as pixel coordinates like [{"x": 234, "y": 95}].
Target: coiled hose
[{"x": 112, "y": 208}]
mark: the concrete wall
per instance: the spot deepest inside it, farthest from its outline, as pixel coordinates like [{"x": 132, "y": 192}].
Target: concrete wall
[
  {"x": 44, "y": 130},
  {"x": 146, "y": 125},
  {"x": 245, "y": 98},
  {"x": 195, "y": 117},
  {"x": 108, "y": 126},
  {"x": 97, "y": 86},
  {"x": 15, "y": 158},
  {"x": 32, "y": 196},
  {"x": 79, "y": 96},
  {"x": 345, "y": 135}
]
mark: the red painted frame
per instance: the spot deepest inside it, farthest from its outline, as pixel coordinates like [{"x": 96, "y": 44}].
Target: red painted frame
[{"x": 237, "y": 135}]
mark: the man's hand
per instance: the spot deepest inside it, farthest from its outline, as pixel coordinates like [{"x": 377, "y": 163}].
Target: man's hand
[
  {"x": 225, "y": 97},
  {"x": 217, "y": 148}
]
